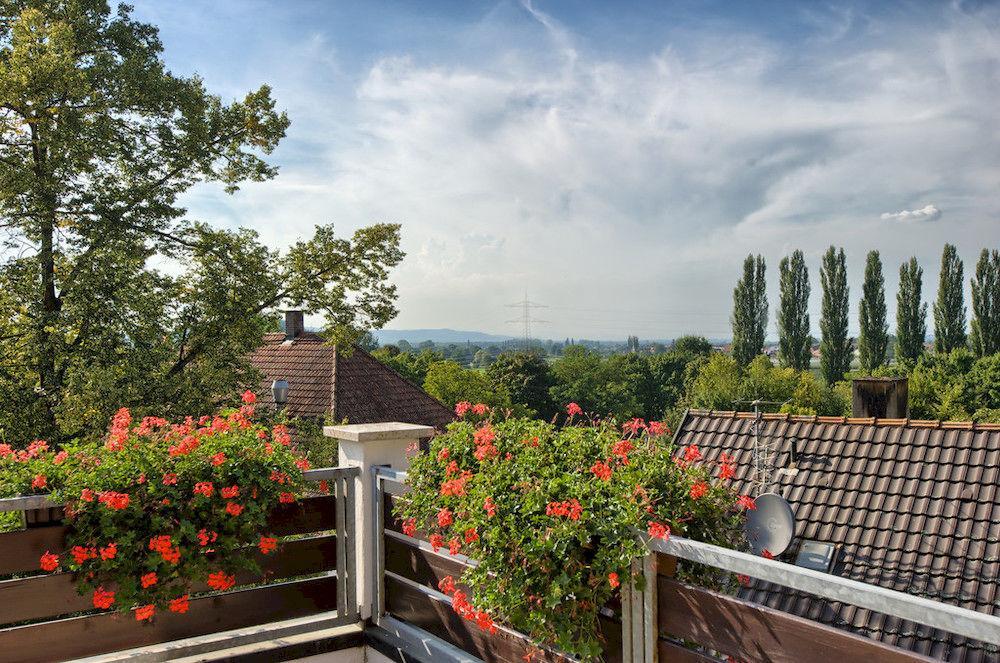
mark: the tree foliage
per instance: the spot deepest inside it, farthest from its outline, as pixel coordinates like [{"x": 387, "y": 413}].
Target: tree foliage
[
  {"x": 794, "y": 337},
  {"x": 111, "y": 295},
  {"x": 949, "y": 309},
  {"x": 450, "y": 383},
  {"x": 749, "y": 319},
  {"x": 985, "y": 335},
  {"x": 525, "y": 377},
  {"x": 836, "y": 347},
  {"x": 873, "y": 342},
  {"x": 911, "y": 313}
]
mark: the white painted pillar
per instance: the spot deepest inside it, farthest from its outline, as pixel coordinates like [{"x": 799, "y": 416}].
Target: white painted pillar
[{"x": 366, "y": 446}]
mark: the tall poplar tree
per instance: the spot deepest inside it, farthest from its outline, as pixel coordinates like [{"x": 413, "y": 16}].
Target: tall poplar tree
[
  {"x": 873, "y": 341},
  {"x": 836, "y": 347},
  {"x": 911, "y": 312},
  {"x": 985, "y": 336},
  {"x": 794, "y": 339},
  {"x": 749, "y": 311},
  {"x": 949, "y": 309}
]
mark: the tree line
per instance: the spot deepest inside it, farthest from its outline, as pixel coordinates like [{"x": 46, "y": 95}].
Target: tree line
[{"x": 836, "y": 347}]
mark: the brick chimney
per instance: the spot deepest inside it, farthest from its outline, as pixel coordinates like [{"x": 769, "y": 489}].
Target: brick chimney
[
  {"x": 881, "y": 398},
  {"x": 294, "y": 325}
]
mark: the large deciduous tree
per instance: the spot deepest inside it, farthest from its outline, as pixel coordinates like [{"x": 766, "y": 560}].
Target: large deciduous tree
[
  {"x": 836, "y": 347},
  {"x": 985, "y": 335},
  {"x": 110, "y": 294},
  {"x": 749, "y": 319},
  {"x": 911, "y": 313},
  {"x": 873, "y": 341},
  {"x": 794, "y": 339},
  {"x": 949, "y": 309},
  {"x": 526, "y": 378}
]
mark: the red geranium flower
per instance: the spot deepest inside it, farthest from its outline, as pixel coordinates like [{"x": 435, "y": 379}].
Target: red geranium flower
[
  {"x": 169, "y": 479},
  {"x": 471, "y": 535},
  {"x": 267, "y": 544},
  {"x": 489, "y": 507},
  {"x": 447, "y": 585},
  {"x": 698, "y": 490},
  {"x": 601, "y": 470},
  {"x": 179, "y": 604},
  {"x": 103, "y": 599},
  {"x": 462, "y": 407},
  {"x": 302, "y": 464},
  {"x": 218, "y": 459},
  {"x": 205, "y": 488},
  {"x": 249, "y": 397},
  {"x": 659, "y": 531},
  {"x": 443, "y": 455},
  {"x": 221, "y": 581},
  {"x": 437, "y": 542},
  {"x": 747, "y": 502},
  {"x": 145, "y": 612},
  {"x": 148, "y": 580},
  {"x": 691, "y": 453},
  {"x": 230, "y": 492},
  {"x": 444, "y": 518},
  {"x": 205, "y": 537},
  {"x": 81, "y": 554},
  {"x": 234, "y": 509},
  {"x": 480, "y": 409},
  {"x": 87, "y": 495},
  {"x": 109, "y": 551},
  {"x": 39, "y": 481},
  {"x": 409, "y": 527},
  {"x": 286, "y": 498},
  {"x": 454, "y": 546},
  {"x": 572, "y": 409},
  {"x": 49, "y": 562},
  {"x": 613, "y": 580}
]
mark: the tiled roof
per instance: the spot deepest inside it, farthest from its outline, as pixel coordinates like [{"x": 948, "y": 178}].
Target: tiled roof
[
  {"x": 357, "y": 388},
  {"x": 909, "y": 505}
]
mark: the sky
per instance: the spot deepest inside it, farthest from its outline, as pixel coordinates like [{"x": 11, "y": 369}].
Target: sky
[{"x": 616, "y": 161}]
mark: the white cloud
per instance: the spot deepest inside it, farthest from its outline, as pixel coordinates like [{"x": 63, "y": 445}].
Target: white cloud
[
  {"x": 587, "y": 177},
  {"x": 928, "y": 213}
]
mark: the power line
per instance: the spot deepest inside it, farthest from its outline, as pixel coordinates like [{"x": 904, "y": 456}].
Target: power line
[{"x": 526, "y": 319}]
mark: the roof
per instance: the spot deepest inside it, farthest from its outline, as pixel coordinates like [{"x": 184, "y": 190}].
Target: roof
[
  {"x": 910, "y": 505},
  {"x": 356, "y": 387}
]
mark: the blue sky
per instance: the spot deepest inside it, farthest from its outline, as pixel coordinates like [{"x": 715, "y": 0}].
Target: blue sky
[{"x": 617, "y": 160}]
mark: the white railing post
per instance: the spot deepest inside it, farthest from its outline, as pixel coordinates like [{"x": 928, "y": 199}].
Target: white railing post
[
  {"x": 366, "y": 446},
  {"x": 639, "y": 618}
]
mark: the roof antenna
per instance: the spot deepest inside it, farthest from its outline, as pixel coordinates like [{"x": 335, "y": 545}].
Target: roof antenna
[{"x": 764, "y": 450}]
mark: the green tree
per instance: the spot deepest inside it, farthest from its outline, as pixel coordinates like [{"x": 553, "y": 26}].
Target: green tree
[
  {"x": 717, "y": 385},
  {"x": 577, "y": 378},
  {"x": 873, "y": 342},
  {"x": 949, "y": 309},
  {"x": 450, "y": 383},
  {"x": 627, "y": 388},
  {"x": 794, "y": 339},
  {"x": 911, "y": 313},
  {"x": 411, "y": 366},
  {"x": 97, "y": 143},
  {"x": 692, "y": 345},
  {"x": 526, "y": 379},
  {"x": 985, "y": 335},
  {"x": 836, "y": 347},
  {"x": 749, "y": 319},
  {"x": 939, "y": 387}
]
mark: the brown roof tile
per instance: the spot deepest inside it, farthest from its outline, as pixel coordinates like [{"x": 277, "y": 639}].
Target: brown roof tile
[
  {"x": 910, "y": 505},
  {"x": 355, "y": 387}
]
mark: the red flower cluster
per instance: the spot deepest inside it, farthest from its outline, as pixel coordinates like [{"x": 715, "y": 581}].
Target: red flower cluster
[
  {"x": 205, "y": 537},
  {"x": 267, "y": 544},
  {"x": 221, "y": 581},
  {"x": 205, "y": 488},
  {"x": 234, "y": 509},
  {"x": 462, "y": 407},
  {"x": 164, "y": 545},
  {"x": 81, "y": 554},
  {"x": 280, "y": 477},
  {"x": 49, "y": 562},
  {"x": 456, "y": 487},
  {"x": 658, "y": 531},
  {"x": 657, "y": 428},
  {"x": 613, "y": 580},
  {"x": 747, "y": 502},
  {"x": 601, "y": 470},
  {"x": 567, "y": 509},
  {"x": 39, "y": 481},
  {"x": 572, "y": 409},
  {"x": 447, "y": 585},
  {"x": 142, "y": 613},
  {"x": 691, "y": 453},
  {"x": 445, "y": 518},
  {"x": 409, "y": 527},
  {"x": 169, "y": 479},
  {"x": 179, "y": 604},
  {"x": 698, "y": 490},
  {"x": 480, "y": 409},
  {"x": 286, "y": 498},
  {"x": 103, "y": 599},
  {"x": 109, "y": 551},
  {"x": 489, "y": 507},
  {"x": 460, "y": 604},
  {"x": 148, "y": 580},
  {"x": 230, "y": 492},
  {"x": 119, "y": 430},
  {"x": 622, "y": 449},
  {"x": 218, "y": 459},
  {"x": 483, "y": 440},
  {"x": 471, "y": 535},
  {"x": 114, "y": 501}
]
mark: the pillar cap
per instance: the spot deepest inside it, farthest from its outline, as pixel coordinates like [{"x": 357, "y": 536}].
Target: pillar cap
[{"x": 391, "y": 430}]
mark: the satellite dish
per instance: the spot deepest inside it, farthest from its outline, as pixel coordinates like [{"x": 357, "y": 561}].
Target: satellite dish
[{"x": 771, "y": 525}]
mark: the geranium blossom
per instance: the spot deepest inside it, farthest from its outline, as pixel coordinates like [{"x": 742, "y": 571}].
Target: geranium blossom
[
  {"x": 572, "y": 409},
  {"x": 109, "y": 551},
  {"x": 444, "y": 518},
  {"x": 103, "y": 599},
  {"x": 462, "y": 407},
  {"x": 409, "y": 527},
  {"x": 698, "y": 490},
  {"x": 267, "y": 544},
  {"x": 148, "y": 580},
  {"x": 179, "y": 604},
  {"x": 39, "y": 481},
  {"x": 221, "y": 581},
  {"x": 205, "y": 488},
  {"x": 601, "y": 470},
  {"x": 229, "y": 492},
  {"x": 234, "y": 509},
  {"x": 613, "y": 580},
  {"x": 658, "y": 531},
  {"x": 479, "y": 409},
  {"x": 747, "y": 502},
  {"x": 145, "y": 612},
  {"x": 48, "y": 561}
]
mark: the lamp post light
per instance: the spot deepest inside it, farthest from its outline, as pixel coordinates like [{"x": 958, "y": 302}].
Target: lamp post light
[{"x": 279, "y": 390}]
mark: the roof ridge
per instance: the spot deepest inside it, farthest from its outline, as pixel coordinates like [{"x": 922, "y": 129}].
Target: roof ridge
[{"x": 860, "y": 421}]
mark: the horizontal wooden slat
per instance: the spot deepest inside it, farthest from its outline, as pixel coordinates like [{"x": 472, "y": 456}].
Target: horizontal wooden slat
[
  {"x": 38, "y": 597},
  {"x": 95, "y": 634},
  {"x": 427, "y": 568},
  {"x": 668, "y": 652},
  {"x": 20, "y": 551},
  {"x": 752, "y": 632}
]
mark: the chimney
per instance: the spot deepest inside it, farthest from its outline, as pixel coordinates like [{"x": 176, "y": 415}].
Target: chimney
[
  {"x": 881, "y": 398},
  {"x": 294, "y": 325}
]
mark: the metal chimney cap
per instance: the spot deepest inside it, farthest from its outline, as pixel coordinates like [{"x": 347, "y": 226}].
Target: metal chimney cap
[{"x": 279, "y": 390}]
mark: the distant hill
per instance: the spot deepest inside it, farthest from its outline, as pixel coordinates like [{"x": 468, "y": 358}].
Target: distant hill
[{"x": 437, "y": 335}]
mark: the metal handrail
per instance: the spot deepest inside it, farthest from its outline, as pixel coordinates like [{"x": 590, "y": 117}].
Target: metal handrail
[
  {"x": 936, "y": 614},
  {"x": 27, "y": 502}
]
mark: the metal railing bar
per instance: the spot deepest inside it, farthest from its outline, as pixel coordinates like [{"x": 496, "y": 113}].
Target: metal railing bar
[
  {"x": 944, "y": 616},
  {"x": 28, "y": 502},
  {"x": 418, "y": 644},
  {"x": 378, "y": 553},
  {"x": 388, "y": 473},
  {"x": 338, "y": 509}
]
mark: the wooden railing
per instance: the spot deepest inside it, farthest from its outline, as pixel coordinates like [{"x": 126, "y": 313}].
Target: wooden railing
[{"x": 43, "y": 618}]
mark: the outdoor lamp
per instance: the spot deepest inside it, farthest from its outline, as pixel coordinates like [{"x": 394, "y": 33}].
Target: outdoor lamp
[{"x": 279, "y": 390}]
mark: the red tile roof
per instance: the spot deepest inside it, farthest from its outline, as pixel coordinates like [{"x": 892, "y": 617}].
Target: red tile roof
[
  {"x": 910, "y": 505},
  {"x": 357, "y": 388}
]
